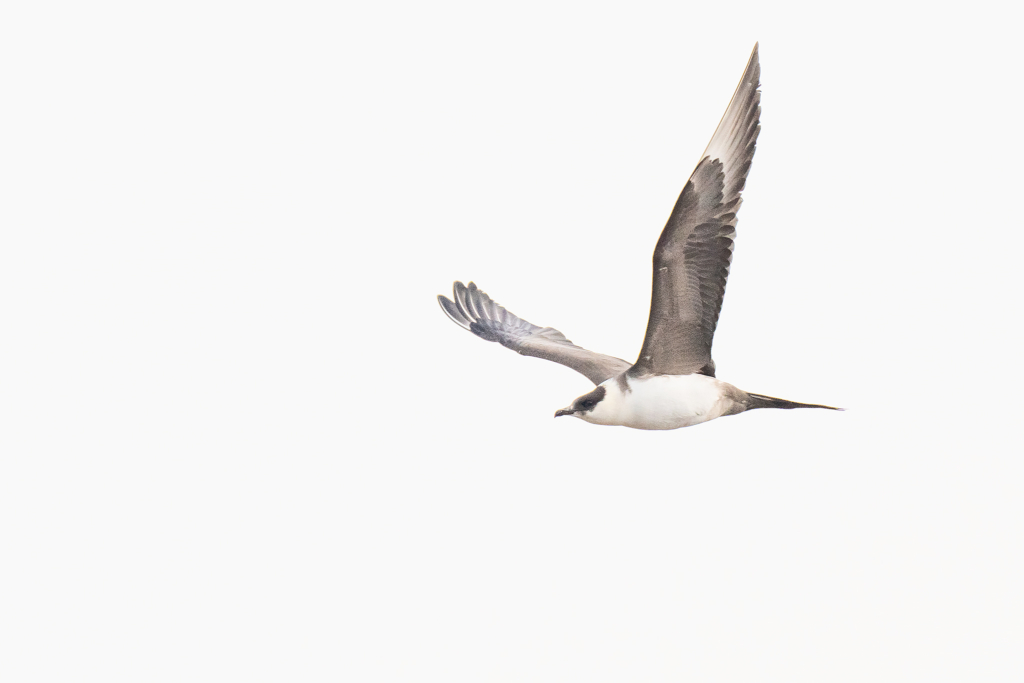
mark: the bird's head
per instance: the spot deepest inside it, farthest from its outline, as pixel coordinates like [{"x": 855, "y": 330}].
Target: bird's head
[{"x": 589, "y": 407}]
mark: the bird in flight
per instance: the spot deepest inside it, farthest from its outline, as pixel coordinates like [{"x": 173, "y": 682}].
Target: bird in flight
[{"x": 673, "y": 383}]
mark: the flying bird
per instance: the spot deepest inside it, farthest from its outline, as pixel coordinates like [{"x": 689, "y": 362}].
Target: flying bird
[{"x": 672, "y": 384}]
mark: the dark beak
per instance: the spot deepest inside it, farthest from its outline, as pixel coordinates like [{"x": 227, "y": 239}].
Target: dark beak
[{"x": 564, "y": 411}]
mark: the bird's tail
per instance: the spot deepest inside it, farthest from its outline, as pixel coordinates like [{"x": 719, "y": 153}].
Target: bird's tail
[{"x": 760, "y": 401}]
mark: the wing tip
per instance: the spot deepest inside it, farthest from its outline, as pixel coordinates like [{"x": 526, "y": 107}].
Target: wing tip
[
  {"x": 452, "y": 312},
  {"x": 754, "y": 66},
  {"x": 470, "y": 305}
]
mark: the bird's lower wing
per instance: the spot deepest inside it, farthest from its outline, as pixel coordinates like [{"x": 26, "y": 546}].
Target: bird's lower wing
[{"x": 473, "y": 310}]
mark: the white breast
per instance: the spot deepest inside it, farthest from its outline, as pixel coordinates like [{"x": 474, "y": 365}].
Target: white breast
[{"x": 663, "y": 402}]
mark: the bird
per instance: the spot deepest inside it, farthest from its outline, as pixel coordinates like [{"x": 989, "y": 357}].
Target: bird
[{"x": 672, "y": 384}]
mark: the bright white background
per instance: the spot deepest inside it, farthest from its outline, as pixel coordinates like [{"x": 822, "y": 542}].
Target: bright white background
[{"x": 240, "y": 442}]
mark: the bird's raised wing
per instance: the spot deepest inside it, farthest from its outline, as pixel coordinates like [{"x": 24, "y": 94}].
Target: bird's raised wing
[
  {"x": 476, "y": 312},
  {"x": 691, "y": 260}
]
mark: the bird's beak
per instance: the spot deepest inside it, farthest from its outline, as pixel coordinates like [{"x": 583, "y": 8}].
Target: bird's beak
[{"x": 564, "y": 411}]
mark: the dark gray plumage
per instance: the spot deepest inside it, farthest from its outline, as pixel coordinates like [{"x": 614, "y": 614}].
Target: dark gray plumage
[
  {"x": 473, "y": 310},
  {"x": 692, "y": 258}
]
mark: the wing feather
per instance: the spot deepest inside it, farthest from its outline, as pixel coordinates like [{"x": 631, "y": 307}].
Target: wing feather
[
  {"x": 694, "y": 252},
  {"x": 471, "y": 309}
]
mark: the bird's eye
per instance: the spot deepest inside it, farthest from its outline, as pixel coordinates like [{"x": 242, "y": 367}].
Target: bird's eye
[{"x": 587, "y": 404}]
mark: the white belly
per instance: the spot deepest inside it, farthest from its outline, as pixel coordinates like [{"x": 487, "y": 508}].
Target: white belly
[{"x": 663, "y": 402}]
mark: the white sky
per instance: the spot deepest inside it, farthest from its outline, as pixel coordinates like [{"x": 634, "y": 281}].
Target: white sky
[{"x": 240, "y": 441}]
